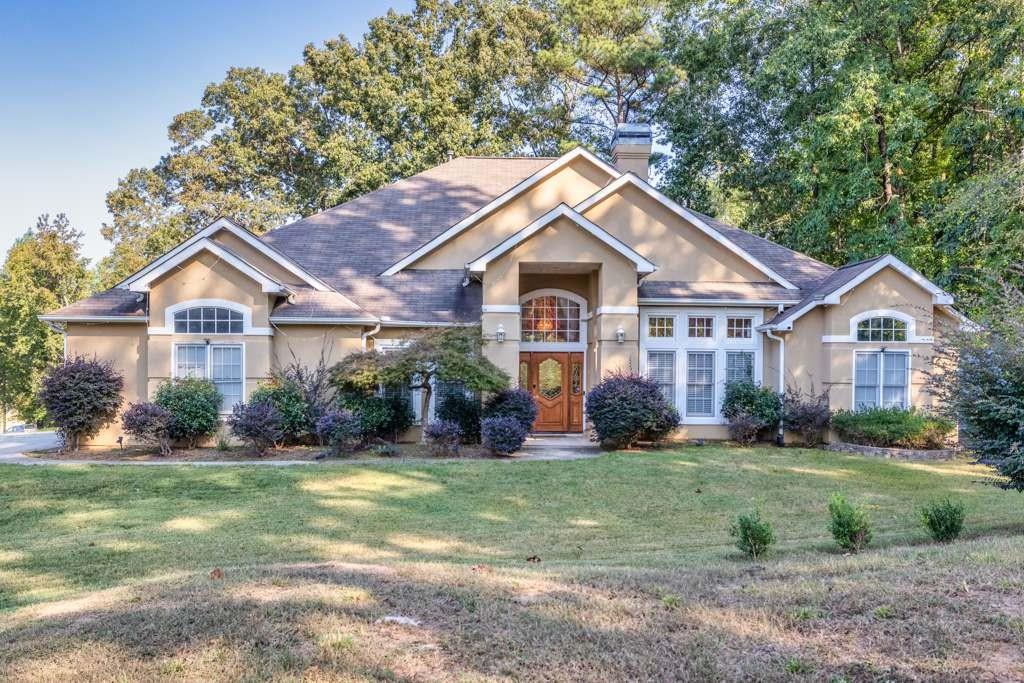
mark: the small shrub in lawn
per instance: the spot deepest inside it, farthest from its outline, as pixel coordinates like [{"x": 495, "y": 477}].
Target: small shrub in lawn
[
  {"x": 258, "y": 423},
  {"x": 465, "y": 410},
  {"x": 892, "y": 428},
  {"x": 750, "y": 406},
  {"x": 627, "y": 408},
  {"x": 443, "y": 436},
  {"x": 807, "y": 414},
  {"x": 340, "y": 429},
  {"x": 943, "y": 519},
  {"x": 149, "y": 423},
  {"x": 287, "y": 396},
  {"x": 194, "y": 405},
  {"x": 502, "y": 435},
  {"x": 849, "y": 525},
  {"x": 515, "y": 403},
  {"x": 754, "y": 535},
  {"x": 81, "y": 395}
]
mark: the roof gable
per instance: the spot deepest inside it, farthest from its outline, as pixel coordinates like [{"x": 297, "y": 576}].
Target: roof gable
[{"x": 141, "y": 283}]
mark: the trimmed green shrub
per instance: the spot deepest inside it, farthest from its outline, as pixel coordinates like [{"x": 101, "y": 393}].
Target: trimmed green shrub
[
  {"x": 515, "y": 403},
  {"x": 81, "y": 395},
  {"x": 892, "y": 428},
  {"x": 258, "y": 423},
  {"x": 444, "y": 437},
  {"x": 383, "y": 417},
  {"x": 943, "y": 519},
  {"x": 194, "y": 405},
  {"x": 754, "y": 536},
  {"x": 297, "y": 419},
  {"x": 466, "y": 411},
  {"x": 754, "y": 409},
  {"x": 502, "y": 435},
  {"x": 339, "y": 429},
  {"x": 850, "y": 525},
  {"x": 149, "y": 423},
  {"x": 807, "y": 414},
  {"x": 628, "y": 408}
]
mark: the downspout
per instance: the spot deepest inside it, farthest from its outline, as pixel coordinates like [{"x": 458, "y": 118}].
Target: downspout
[
  {"x": 780, "y": 437},
  {"x": 369, "y": 333}
]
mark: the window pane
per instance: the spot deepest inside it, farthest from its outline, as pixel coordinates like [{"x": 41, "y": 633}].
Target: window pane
[
  {"x": 700, "y": 384},
  {"x": 867, "y": 373},
  {"x": 895, "y": 373},
  {"x": 660, "y": 326},
  {"x": 226, "y": 373},
  {"x": 882, "y": 329},
  {"x": 550, "y": 319},
  {"x": 701, "y": 327},
  {"x": 739, "y": 366},
  {"x": 661, "y": 369},
  {"x": 739, "y": 328},
  {"x": 190, "y": 360}
]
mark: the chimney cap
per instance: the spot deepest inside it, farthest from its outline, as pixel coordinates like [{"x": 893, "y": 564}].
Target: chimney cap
[{"x": 632, "y": 134}]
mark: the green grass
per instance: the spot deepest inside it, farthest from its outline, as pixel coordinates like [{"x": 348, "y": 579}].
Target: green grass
[{"x": 633, "y": 542}]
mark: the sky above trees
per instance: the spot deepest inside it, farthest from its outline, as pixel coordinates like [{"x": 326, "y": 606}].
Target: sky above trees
[{"x": 91, "y": 87}]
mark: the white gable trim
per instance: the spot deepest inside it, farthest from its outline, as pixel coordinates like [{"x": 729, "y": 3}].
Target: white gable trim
[
  {"x": 142, "y": 283},
  {"x": 939, "y": 296},
  {"x": 242, "y": 234},
  {"x": 498, "y": 202},
  {"x": 562, "y": 210},
  {"x": 681, "y": 211}
]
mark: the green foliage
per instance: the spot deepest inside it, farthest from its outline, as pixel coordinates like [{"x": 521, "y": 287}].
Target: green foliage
[
  {"x": 81, "y": 395},
  {"x": 628, "y": 408},
  {"x": 849, "y": 524},
  {"x": 750, "y": 410},
  {"x": 298, "y": 422},
  {"x": 381, "y": 417},
  {"x": 893, "y": 428},
  {"x": 194, "y": 405},
  {"x": 462, "y": 409},
  {"x": 754, "y": 535},
  {"x": 943, "y": 519}
]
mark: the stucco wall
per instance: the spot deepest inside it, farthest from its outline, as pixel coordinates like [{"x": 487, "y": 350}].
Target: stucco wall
[
  {"x": 306, "y": 343},
  {"x": 256, "y": 258}
]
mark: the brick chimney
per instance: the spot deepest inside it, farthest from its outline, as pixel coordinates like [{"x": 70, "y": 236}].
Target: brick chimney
[{"x": 631, "y": 148}]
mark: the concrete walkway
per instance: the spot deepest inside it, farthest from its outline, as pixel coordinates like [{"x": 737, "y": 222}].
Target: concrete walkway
[{"x": 553, "y": 447}]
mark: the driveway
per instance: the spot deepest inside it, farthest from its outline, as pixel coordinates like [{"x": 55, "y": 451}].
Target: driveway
[{"x": 12, "y": 444}]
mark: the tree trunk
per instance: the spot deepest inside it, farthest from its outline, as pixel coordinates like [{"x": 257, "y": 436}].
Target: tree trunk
[
  {"x": 883, "y": 151},
  {"x": 426, "y": 390}
]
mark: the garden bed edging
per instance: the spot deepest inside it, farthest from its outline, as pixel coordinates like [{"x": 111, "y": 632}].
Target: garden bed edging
[{"x": 895, "y": 453}]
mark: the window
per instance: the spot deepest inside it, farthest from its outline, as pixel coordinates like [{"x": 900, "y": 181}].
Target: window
[
  {"x": 700, "y": 383},
  {"x": 661, "y": 369},
  {"x": 880, "y": 379},
  {"x": 661, "y": 326},
  {"x": 221, "y": 363},
  {"x": 208, "y": 320},
  {"x": 739, "y": 366},
  {"x": 550, "y": 319},
  {"x": 882, "y": 330},
  {"x": 703, "y": 328},
  {"x": 739, "y": 328}
]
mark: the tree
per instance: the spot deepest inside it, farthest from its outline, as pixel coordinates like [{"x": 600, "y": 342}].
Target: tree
[
  {"x": 842, "y": 128},
  {"x": 44, "y": 270},
  {"x": 451, "y": 354}
]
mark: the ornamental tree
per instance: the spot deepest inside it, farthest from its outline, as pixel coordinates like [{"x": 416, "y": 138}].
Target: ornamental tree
[{"x": 81, "y": 396}]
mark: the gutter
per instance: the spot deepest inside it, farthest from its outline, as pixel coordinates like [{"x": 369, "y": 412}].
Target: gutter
[
  {"x": 780, "y": 436},
  {"x": 367, "y": 334}
]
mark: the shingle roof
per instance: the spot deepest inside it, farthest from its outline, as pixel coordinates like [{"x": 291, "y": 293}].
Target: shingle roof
[
  {"x": 745, "y": 291},
  {"x": 110, "y": 303},
  {"x": 838, "y": 278},
  {"x": 306, "y": 302}
]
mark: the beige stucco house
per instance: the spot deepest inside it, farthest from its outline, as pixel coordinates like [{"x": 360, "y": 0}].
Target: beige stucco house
[{"x": 574, "y": 267}]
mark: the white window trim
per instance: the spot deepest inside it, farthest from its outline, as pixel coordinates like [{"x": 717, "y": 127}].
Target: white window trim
[
  {"x": 247, "y": 329},
  {"x": 881, "y": 374},
  {"x": 209, "y": 362},
  {"x": 909, "y": 320},
  {"x": 581, "y": 345},
  {"x": 645, "y": 333},
  {"x": 714, "y": 328},
  {"x": 742, "y": 341}
]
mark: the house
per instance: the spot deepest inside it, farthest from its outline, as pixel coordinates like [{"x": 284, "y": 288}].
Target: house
[{"x": 574, "y": 267}]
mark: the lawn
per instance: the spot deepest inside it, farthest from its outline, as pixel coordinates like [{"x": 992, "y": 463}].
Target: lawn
[{"x": 105, "y": 572}]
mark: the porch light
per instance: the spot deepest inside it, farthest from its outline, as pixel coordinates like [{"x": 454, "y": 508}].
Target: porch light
[
  {"x": 499, "y": 334},
  {"x": 620, "y": 335}
]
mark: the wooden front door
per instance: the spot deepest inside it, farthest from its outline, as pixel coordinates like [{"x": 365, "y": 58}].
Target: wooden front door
[{"x": 556, "y": 381}]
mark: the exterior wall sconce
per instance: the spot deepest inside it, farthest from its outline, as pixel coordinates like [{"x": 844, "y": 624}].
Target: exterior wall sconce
[
  {"x": 620, "y": 335},
  {"x": 499, "y": 334}
]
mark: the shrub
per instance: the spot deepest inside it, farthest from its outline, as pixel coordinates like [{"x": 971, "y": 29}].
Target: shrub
[
  {"x": 258, "y": 423},
  {"x": 502, "y": 435},
  {"x": 383, "y": 417},
  {"x": 465, "y": 410},
  {"x": 753, "y": 535},
  {"x": 339, "y": 429},
  {"x": 850, "y": 525},
  {"x": 750, "y": 406},
  {"x": 515, "y": 403},
  {"x": 943, "y": 519},
  {"x": 628, "y": 408},
  {"x": 194, "y": 405},
  {"x": 892, "y": 427},
  {"x": 81, "y": 396},
  {"x": 443, "y": 436},
  {"x": 807, "y": 414},
  {"x": 297, "y": 420},
  {"x": 149, "y": 423}
]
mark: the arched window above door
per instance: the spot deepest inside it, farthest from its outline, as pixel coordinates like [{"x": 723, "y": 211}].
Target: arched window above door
[{"x": 550, "y": 318}]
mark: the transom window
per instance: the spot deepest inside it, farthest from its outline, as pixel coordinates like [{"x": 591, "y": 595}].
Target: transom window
[
  {"x": 550, "y": 319},
  {"x": 208, "y": 320},
  {"x": 739, "y": 328},
  {"x": 661, "y": 326},
  {"x": 882, "y": 329},
  {"x": 701, "y": 327},
  {"x": 221, "y": 363}
]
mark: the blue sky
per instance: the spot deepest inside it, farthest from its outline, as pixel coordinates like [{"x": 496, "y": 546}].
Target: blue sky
[{"x": 91, "y": 86}]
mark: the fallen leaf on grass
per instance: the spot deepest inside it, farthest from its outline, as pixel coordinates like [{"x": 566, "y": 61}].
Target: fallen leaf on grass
[
  {"x": 217, "y": 573},
  {"x": 533, "y": 558},
  {"x": 482, "y": 568}
]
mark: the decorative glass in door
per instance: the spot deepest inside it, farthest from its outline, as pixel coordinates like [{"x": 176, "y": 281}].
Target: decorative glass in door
[{"x": 550, "y": 378}]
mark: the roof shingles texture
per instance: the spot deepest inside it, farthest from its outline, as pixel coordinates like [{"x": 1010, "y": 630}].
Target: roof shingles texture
[{"x": 110, "y": 303}]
